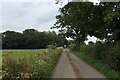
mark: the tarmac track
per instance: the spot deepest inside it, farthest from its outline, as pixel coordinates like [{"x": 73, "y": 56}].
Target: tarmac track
[{"x": 70, "y": 66}]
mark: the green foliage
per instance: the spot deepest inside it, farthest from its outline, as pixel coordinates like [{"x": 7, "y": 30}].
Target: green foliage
[
  {"x": 31, "y": 39},
  {"x": 72, "y": 47},
  {"x": 20, "y": 53},
  {"x": 106, "y": 53},
  {"x": 73, "y": 19},
  {"x": 106, "y": 16},
  {"x": 8, "y": 41},
  {"x": 0, "y": 40},
  {"x": 77, "y": 20},
  {"x": 35, "y": 66},
  {"x": 95, "y": 50},
  {"x": 103, "y": 56},
  {"x": 112, "y": 20},
  {"x": 51, "y": 47},
  {"x": 15, "y": 68},
  {"x": 115, "y": 57},
  {"x": 97, "y": 64}
]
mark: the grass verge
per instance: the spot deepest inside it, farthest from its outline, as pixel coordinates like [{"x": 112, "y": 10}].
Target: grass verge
[{"x": 98, "y": 65}]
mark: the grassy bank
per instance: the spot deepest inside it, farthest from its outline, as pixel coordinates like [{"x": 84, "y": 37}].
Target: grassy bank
[
  {"x": 32, "y": 64},
  {"x": 19, "y": 53},
  {"x": 98, "y": 65}
]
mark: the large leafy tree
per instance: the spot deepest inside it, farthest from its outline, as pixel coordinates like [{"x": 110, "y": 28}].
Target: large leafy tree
[
  {"x": 73, "y": 21},
  {"x": 105, "y": 21},
  {"x": 112, "y": 20}
]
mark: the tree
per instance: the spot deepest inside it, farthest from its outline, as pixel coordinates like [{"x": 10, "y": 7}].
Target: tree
[
  {"x": 30, "y": 39},
  {"x": 12, "y": 40},
  {"x": 106, "y": 19},
  {"x": 112, "y": 20},
  {"x": 0, "y": 40},
  {"x": 73, "y": 21}
]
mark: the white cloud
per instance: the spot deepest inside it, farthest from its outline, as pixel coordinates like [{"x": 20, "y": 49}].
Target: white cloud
[
  {"x": 19, "y": 16},
  {"x": 0, "y": 17},
  {"x": 27, "y": 0},
  {"x": 93, "y": 39}
]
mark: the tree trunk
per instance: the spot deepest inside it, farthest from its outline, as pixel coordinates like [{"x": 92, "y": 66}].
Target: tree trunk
[{"x": 78, "y": 43}]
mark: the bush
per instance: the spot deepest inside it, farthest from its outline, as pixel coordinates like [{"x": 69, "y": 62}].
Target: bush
[
  {"x": 38, "y": 66},
  {"x": 98, "y": 48},
  {"x": 15, "y": 68},
  {"x": 97, "y": 64},
  {"x": 51, "y": 47},
  {"x": 43, "y": 64},
  {"x": 107, "y": 53},
  {"x": 72, "y": 47},
  {"x": 115, "y": 57}
]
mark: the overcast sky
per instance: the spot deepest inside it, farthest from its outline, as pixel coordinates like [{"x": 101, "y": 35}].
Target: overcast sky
[{"x": 20, "y": 15}]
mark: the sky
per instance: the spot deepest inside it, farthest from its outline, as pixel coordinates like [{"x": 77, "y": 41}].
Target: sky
[{"x": 18, "y": 15}]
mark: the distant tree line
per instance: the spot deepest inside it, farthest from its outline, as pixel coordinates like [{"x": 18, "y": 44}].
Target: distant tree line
[{"x": 31, "y": 39}]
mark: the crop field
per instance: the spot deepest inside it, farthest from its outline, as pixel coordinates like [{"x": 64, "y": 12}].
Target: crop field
[
  {"x": 19, "y": 53},
  {"x": 36, "y": 63}
]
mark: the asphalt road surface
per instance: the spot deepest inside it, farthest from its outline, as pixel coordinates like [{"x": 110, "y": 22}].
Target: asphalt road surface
[{"x": 70, "y": 66}]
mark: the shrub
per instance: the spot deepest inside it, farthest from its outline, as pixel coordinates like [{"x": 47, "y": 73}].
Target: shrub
[
  {"x": 98, "y": 48},
  {"x": 51, "y": 47},
  {"x": 115, "y": 57},
  {"x": 14, "y": 68},
  {"x": 35, "y": 66},
  {"x": 72, "y": 47},
  {"x": 109, "y": 54},
  {"x": 43, "y": 64}
]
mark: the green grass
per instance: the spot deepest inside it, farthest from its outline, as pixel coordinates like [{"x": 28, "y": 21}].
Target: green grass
[
  {"x": 98, "y": 65},
  {"x": 0, "y": 57},
  {"x": 37, "y": 63},
  {"x": 19, "y": 53}
]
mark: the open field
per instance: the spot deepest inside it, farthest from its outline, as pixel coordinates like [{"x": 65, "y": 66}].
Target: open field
[
  {"x": 18, "y": 53},
  {"x": 34, "y": 63}
]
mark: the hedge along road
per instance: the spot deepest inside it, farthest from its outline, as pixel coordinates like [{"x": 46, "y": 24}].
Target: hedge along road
[{"x": 70, "y": 66}]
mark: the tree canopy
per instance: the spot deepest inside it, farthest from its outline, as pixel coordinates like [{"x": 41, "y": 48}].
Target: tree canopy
[
  {"x": 78, "y": 20},
  {"x": 73, "y": 21},
  {"x": 31, "y": 39}
]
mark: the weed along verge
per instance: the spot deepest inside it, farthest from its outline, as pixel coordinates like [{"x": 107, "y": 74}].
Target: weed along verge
[
  {"x": 37, "y": 65},
  {"x": 98, "y": 65}
]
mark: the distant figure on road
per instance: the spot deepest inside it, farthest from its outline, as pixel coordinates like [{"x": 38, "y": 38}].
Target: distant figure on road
[{"x": 64, "y": 46}]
